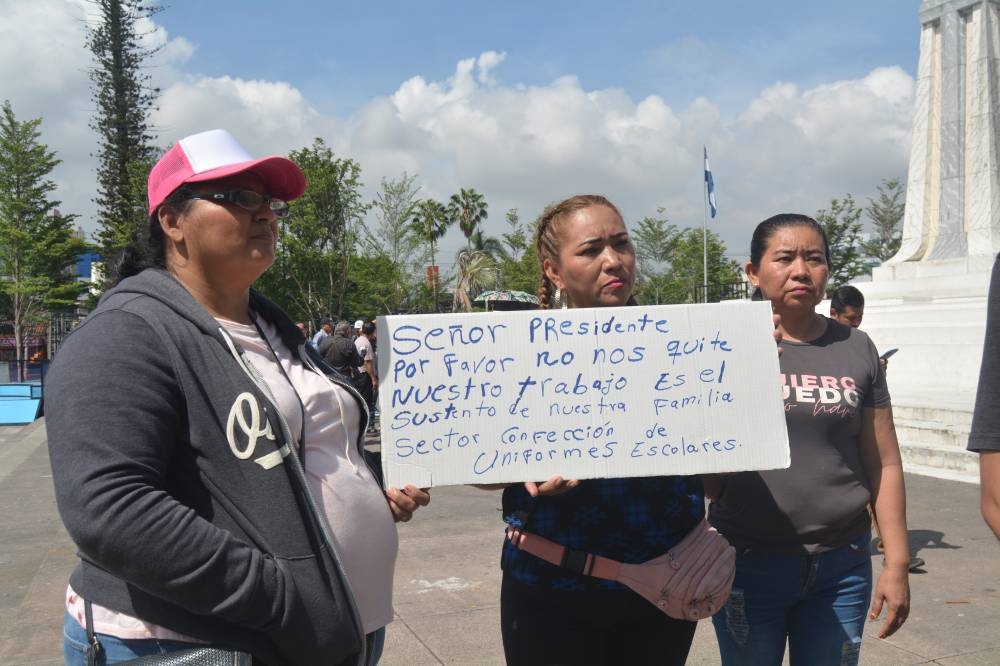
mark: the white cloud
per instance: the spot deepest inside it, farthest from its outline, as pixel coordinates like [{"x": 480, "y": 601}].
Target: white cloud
[
  {"x": 521, "y": 146},
  {"x": 266, "y": 115},
  {"x": 486, "y": 63},
  {"x": 830, "y": 140},
  {"x": 44, "y": 65},
  {"x": 37, "y": 54},
  {"x": 790, "y": 149},
  {"x": 177, "y": 50}
]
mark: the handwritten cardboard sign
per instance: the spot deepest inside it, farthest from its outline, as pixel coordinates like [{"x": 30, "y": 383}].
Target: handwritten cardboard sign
[{"x": 584, "y": 393}]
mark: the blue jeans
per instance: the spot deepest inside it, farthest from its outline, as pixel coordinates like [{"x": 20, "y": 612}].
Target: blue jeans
[
  {"x": 115, "y": 650},
  {"x": 817, "y": 602}
]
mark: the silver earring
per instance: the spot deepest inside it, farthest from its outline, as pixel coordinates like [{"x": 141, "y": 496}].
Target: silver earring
[{"x": 557, "y": 298}]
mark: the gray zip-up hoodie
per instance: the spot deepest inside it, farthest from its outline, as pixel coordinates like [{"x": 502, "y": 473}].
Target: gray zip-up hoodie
[{"x": 175, "y": 478}]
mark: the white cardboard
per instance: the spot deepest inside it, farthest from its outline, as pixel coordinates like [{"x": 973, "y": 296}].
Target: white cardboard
[{"x": 517, "y": 396}]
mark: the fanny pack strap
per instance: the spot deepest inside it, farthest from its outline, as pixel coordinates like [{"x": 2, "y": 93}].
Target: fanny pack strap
[
  {"x": 93, "y": 646},
  {"x": 576, "y": 561},
  {"x": 689, "y": 582}
]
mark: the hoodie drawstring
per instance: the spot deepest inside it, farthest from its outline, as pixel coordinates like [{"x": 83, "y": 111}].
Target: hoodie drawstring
[{"x": 347, "y": 434}]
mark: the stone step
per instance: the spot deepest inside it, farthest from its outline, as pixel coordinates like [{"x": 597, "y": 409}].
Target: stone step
[
  {"x": 933, "y": 428},
  {"x": 928, "y": 459},
  {"x": 941, "y": 473},
  {"x": 932, "y": 433},
  {"x": 946, "y": 416},
  {"x": 948, "y": 409},
  {"x": 943, "y": 418}
]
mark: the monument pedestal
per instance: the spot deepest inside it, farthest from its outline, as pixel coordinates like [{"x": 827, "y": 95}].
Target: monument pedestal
[
  {"x": 935, "y": 313},
  {"x": 941, "y": 280},
  {"x": 930, "y": 298}
]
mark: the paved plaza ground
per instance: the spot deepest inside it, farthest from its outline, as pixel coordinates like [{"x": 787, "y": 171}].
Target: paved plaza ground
[{"x": 447, "y": 579}]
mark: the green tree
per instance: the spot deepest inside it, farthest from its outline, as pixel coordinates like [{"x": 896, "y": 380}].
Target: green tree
[
  {"x": 371, "y": 288},
  {"x": 467, "y": 209},
  {"x": 842, "y": 223},
  {"x": 515, "y": 242},
  {"x": 393, "y": 208},
  {"x": 682, "y": 280},
  {"x": 37, "y": 244},
  {"x": 123, "y": 99},
  {"x": 318, "y": 238},
  {"x": 428, "y": 225},
  {"x": 886, "y": 214},
  {"x": 655, "y": 242},
  {"x": 522, "y": 274}
]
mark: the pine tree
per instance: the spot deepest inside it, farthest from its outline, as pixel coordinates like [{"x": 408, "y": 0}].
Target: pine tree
[
  {"x": 123, "y": 99},
  {"x": 393, "y": 207},
  {"x": 886, "y": 214},
  {"x": 37, "y": 244},
  {"x": 842, "y": 223},
  {"x": 516, "y": 242},
  {"x": 655, "y": 243}
]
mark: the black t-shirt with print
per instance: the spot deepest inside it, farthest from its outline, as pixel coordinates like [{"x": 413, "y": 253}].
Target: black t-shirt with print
[{"x": 820, "y": 501}]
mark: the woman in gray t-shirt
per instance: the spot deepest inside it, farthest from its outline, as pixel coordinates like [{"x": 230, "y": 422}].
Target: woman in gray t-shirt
[{"x": 803, "y": 571}]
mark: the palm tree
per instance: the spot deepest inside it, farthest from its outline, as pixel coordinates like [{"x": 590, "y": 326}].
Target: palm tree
[
  {"x": 487, "y": 245},
  {"x": 429, "y": 223},
  {"x": 468, "y": 209},
  {"x": 474, "y": 271}
]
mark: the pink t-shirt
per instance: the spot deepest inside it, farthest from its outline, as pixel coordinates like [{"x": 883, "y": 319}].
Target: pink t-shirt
[{"x": 350, "y": 498}]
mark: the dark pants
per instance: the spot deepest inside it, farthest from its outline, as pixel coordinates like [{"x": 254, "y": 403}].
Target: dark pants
[
  {"x": 363, "y": 384},
  {"x": 543, "y": 627}
]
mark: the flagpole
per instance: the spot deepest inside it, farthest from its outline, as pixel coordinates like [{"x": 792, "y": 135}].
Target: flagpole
[{"x": 704, "y": 236}]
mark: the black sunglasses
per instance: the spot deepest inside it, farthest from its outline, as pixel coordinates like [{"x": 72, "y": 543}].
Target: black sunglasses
[{"x": 246, "y": 199}]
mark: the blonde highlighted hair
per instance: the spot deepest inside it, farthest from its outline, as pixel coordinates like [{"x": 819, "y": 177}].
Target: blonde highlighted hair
[{"x": 548, "y": 239}]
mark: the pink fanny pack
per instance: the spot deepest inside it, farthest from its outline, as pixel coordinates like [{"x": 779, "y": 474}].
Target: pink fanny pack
[{"x": 691, "y": 581}]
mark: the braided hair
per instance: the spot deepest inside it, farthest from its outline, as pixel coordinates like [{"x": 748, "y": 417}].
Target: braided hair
[{"x": 548, "y": 239}]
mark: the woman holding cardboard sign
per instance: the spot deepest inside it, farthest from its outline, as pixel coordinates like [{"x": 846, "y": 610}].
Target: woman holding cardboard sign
[
  {"x": 803, "y": 569},
  {"x": 554, "y": 614}
]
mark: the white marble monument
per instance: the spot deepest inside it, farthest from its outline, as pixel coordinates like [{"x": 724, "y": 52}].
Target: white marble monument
[{"x": 929, "y": 300}]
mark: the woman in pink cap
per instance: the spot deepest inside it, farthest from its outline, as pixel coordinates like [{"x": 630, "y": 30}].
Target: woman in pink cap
[{"x": 215, "y": 484}]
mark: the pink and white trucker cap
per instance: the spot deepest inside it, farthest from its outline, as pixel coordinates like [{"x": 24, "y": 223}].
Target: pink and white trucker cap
[{"x": 217, "y": 154}]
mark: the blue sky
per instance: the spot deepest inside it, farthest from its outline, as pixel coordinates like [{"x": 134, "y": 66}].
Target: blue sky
[
  {"x": 526, "y": 102},
  {"x": 347, "y": 53}
]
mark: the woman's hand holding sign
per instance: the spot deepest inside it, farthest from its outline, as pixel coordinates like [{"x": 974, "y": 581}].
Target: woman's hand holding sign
[
  {"x": 404, "y": 502},
  {"x": 556, "y": 485}
]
